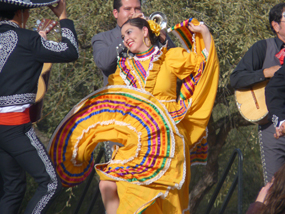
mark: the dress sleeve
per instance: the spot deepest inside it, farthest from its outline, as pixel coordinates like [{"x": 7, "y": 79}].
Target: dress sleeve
[
  {"x": 50, "y": 51},
  {"x": 203, "y": 98},
  {"x": 182, "y": 63}
]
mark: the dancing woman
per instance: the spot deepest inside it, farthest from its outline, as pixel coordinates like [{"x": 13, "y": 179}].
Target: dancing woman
[{"x": 151, "y": 172}]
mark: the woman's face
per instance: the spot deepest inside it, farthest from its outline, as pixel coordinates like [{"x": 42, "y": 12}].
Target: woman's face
[{"x": 133, "y": 38}]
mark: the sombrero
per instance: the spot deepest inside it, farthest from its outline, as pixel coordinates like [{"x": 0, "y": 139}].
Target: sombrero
[{"x": 6, "y": 5}]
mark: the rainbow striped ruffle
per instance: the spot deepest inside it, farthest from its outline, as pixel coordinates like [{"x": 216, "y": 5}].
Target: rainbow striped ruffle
[{"x": 130, "y": 117}]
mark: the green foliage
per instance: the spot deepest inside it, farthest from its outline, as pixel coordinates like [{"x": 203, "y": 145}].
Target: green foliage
[{"x": 235, "y": 25}]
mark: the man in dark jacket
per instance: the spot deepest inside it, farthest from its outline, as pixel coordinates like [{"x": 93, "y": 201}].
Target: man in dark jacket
[{"x": 22, "y": 55}]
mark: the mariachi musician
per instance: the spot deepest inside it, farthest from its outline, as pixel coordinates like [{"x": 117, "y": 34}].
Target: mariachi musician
[
  {"x": 259, "y": 64},
  {"x": 23, "y": 53}
]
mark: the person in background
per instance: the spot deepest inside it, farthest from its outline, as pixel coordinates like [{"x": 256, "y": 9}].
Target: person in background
[
  {"x": 271, "y": 198},
  {"x": 259, "y": 64},
  {"x": 23, "y": 53}
]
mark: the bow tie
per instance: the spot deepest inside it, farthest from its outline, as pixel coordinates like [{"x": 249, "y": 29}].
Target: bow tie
[{"x": 280, "y": 55}]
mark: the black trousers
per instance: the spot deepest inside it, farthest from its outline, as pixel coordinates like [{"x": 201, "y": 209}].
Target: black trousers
[
  {"x": 20, "y": 152},
  {"x": 272, "y": 151}
]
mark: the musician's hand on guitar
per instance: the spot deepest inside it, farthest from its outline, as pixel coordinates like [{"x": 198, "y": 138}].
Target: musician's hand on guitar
[
  {"x": 43, "y": 34},
  {"x": 269, "y": 72},
  {"x": 60, "y": 10}
]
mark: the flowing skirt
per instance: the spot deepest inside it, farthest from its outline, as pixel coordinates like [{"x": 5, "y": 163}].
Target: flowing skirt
[{"x": 151, "y": 170}]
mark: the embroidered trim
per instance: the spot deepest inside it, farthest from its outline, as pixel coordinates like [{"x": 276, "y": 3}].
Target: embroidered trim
[
  {"x": 53, "y": 185},
  {"x": 6, "y": 22},
  {"x": 205, "y": 53},
  {"x": 54, "y": 46},
  {"x": 167, "y": 101},
  {"x": 139, "y": 210},
  {"x": 146, "y": 57},
  {"x": 195, "y": 145},
  {"x": 194, "y": 42},
  {"x": 67, "y": 33},
  {"x": 262, "y": 157},
  {"x": 28, "y": 3},
  {"x": 275, "y": 120},
  {"x": 17, "y": 99},
  {"x": 8, "y": 42},
  {"x": 155, "y": 55},
  {"x": 134, "y": 73}
]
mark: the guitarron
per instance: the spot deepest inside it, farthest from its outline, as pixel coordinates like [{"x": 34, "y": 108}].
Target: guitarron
[{"x": 251, "y": 103}]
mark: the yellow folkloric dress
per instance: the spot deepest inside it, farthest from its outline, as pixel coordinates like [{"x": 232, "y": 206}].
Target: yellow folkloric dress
[{"x": 139, "y": 110}]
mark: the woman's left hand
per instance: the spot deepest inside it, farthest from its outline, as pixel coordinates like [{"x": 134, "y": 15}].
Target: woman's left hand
[{"x": 202, "y": 29}]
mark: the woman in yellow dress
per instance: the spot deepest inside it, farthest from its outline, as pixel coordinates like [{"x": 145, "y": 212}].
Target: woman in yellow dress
[{"x": 151, "y": 172}]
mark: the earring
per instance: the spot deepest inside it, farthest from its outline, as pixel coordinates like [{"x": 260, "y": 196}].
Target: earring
[
  {"x": 145, "y": 43},
  {"x": 128, "y": 52},
  {"x": 149, "y": 43}
]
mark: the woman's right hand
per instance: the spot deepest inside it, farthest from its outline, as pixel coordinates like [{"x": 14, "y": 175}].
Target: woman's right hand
[{"x": 60, "y": 10}]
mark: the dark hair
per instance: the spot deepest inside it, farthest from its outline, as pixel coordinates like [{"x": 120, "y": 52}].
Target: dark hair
[
  {"x": 140, "y": 23},
  {"x": 7, "y": 15},
  {"x": 275, "y": 14},
  {"x": 275, "y": 198},
  {"x": 118, "y": 3}
]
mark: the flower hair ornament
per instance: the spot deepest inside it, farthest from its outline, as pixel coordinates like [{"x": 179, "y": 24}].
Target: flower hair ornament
[{"x": 154, "y": 27}]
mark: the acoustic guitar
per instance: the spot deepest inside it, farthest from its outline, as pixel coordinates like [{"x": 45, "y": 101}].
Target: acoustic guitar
[
  {"x": 251, "y": 103},
  {"x": 36, "y": 109}
]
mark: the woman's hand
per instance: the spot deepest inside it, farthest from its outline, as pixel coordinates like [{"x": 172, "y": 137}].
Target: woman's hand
[
  {"x": 202, "y": 29},
  {"x": 60, "y": 10}
]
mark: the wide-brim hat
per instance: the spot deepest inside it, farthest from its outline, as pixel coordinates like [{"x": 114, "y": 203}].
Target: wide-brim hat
[{"x": 8, "y": 5}]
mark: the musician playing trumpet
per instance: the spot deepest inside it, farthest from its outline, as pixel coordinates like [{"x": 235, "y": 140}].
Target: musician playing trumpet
[{"x": 23, "y": 53}]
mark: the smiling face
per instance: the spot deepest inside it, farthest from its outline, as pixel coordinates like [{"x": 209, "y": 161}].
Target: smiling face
[{"x": 133, "y": 38}]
